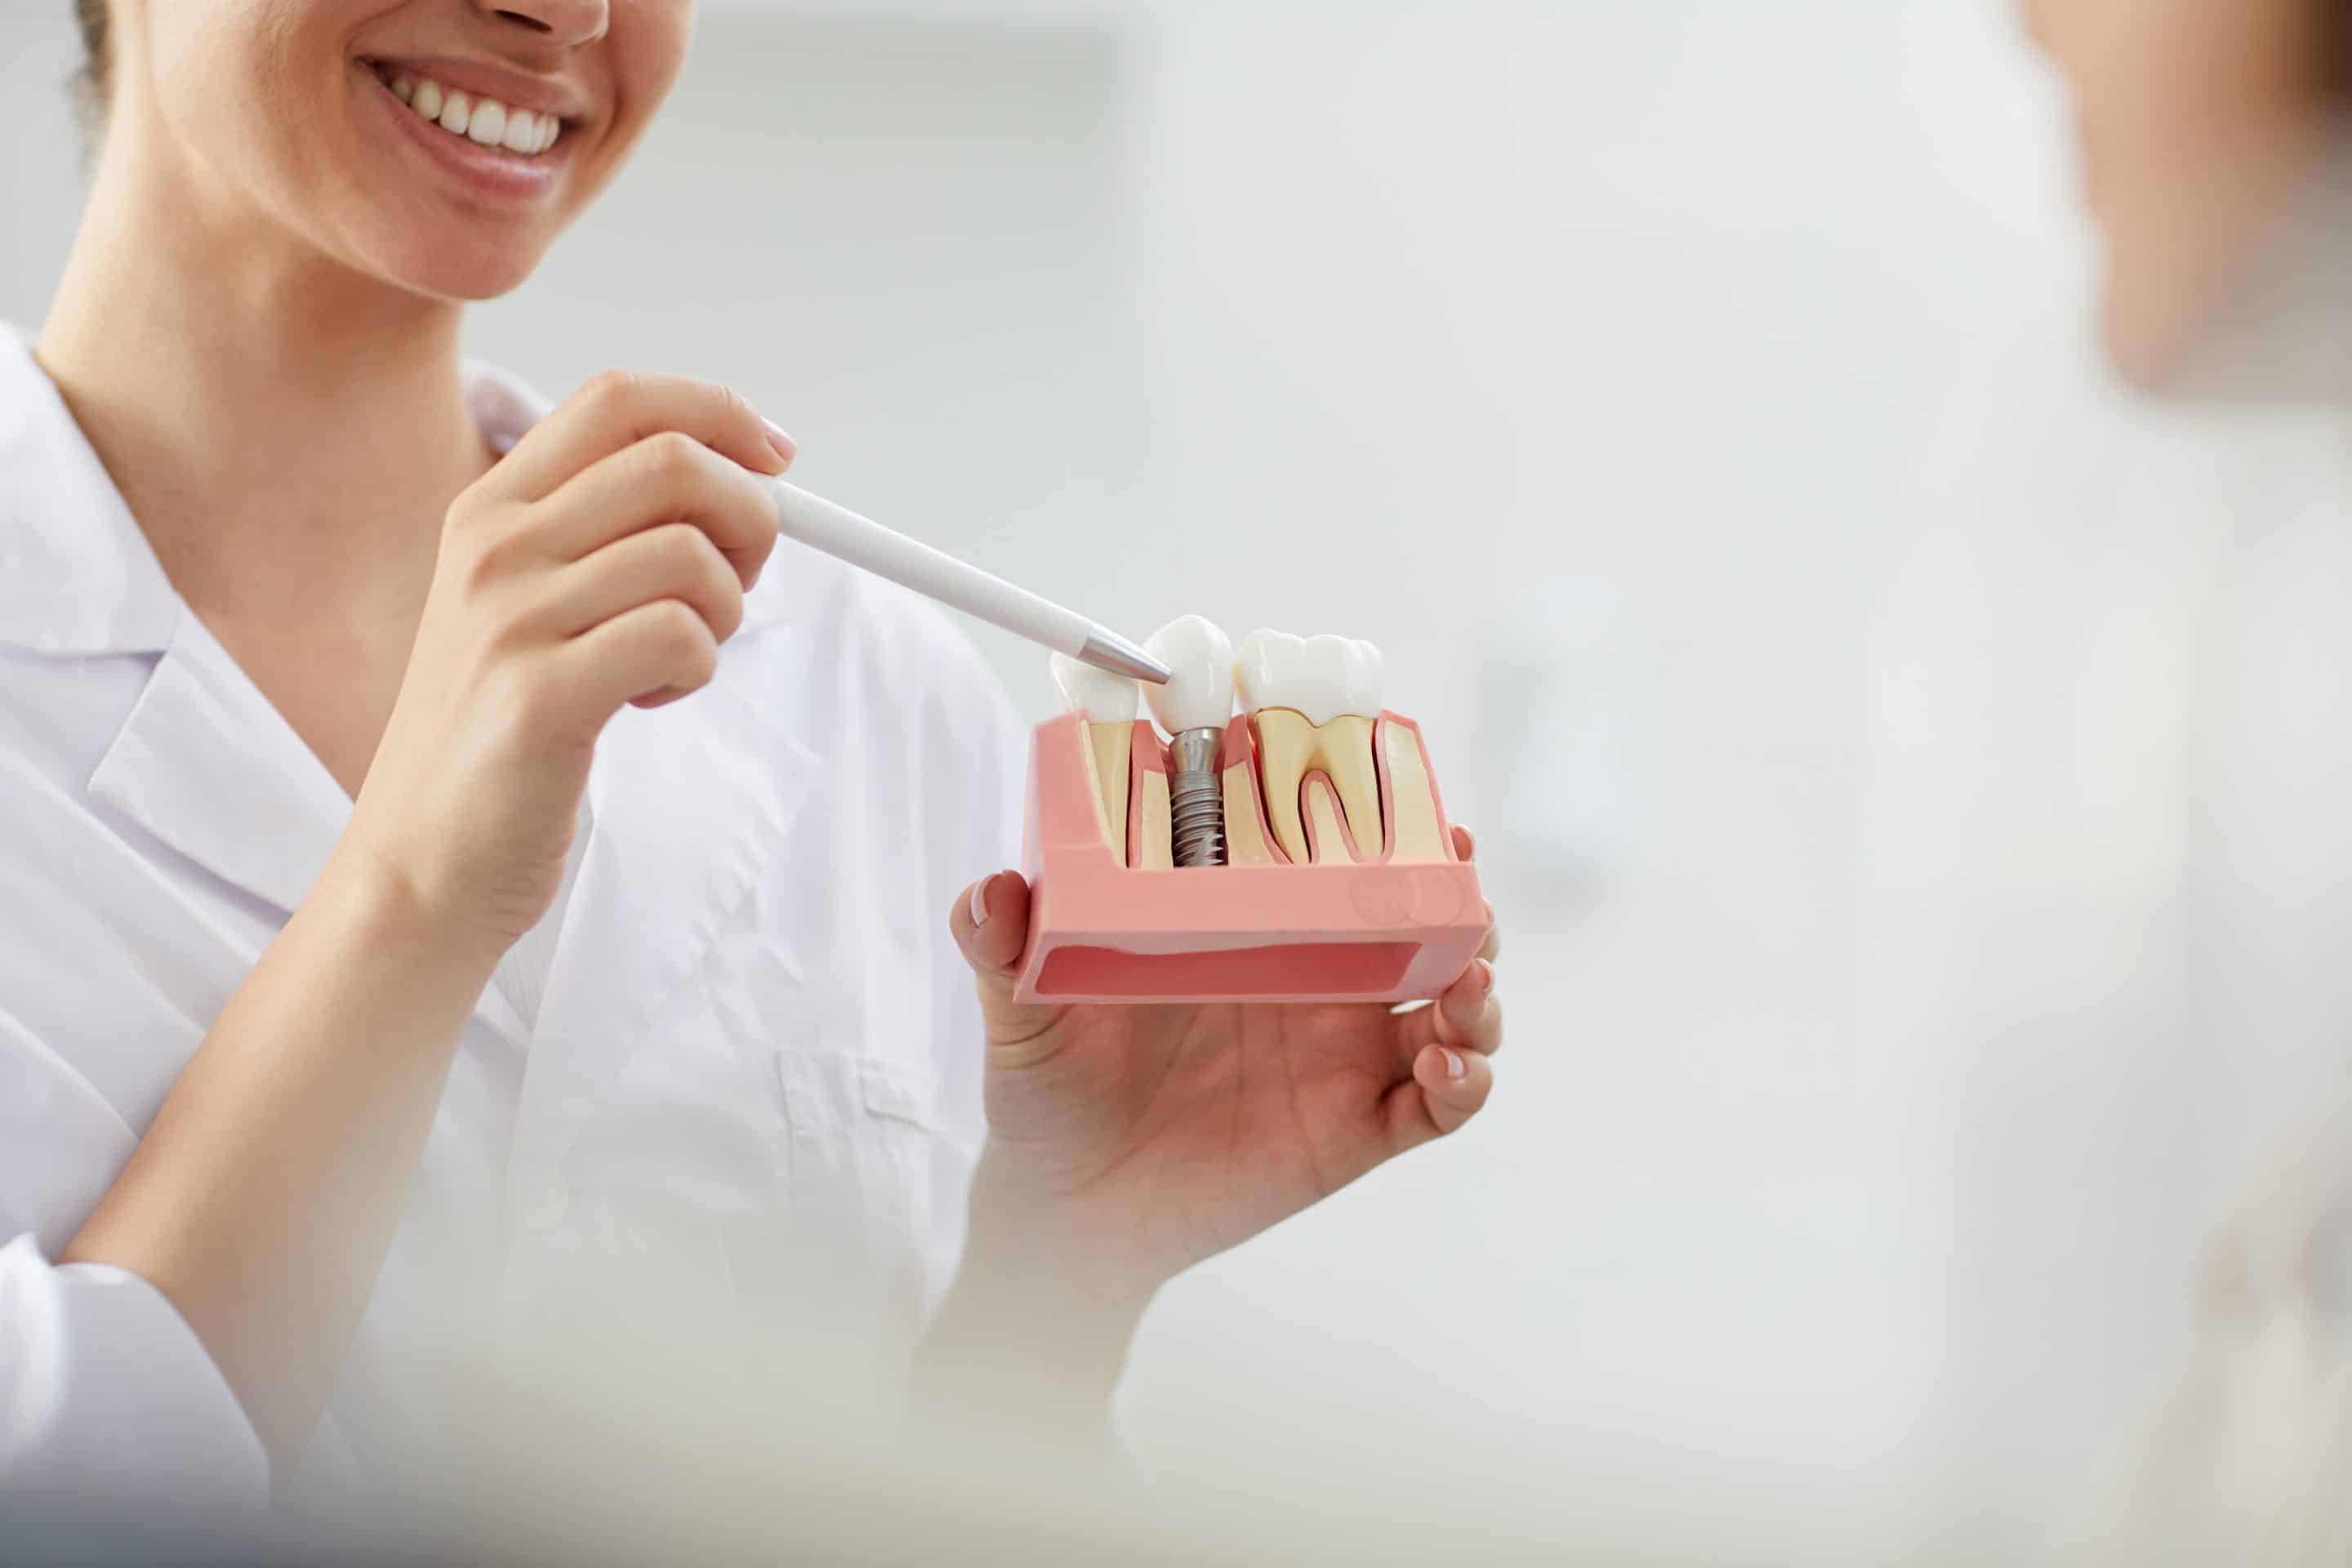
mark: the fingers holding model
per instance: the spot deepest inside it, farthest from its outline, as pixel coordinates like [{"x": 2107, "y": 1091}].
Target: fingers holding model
[{"x": 601, "y": 564}]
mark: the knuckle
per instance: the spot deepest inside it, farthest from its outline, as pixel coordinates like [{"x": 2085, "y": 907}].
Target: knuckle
[
  {"x": 676, "y": 550},
  {"x": 464, "y": 515},
  {"x": 679, "y": 630},
  {"x": 610, "y": 389},
  {"x": 491, "y": 553},
  {"x": 673, "y": 455}
]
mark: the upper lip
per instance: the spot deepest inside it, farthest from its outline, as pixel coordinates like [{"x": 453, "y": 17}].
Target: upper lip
[{"x": 481, "y": 78}]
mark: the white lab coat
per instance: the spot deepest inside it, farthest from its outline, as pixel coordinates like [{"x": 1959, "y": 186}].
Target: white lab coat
[{"x": 751, "y": 1097}]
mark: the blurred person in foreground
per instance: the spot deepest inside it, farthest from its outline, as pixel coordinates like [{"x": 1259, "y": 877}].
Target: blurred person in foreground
[
  {"x": 2109, "y": 849},
  {"x": 394, "y": 1010}
]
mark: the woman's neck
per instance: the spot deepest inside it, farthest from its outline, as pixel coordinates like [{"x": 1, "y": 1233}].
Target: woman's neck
[{"x": 279, "y": 421}]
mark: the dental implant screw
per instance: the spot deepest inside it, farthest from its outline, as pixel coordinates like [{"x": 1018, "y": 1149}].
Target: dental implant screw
[{"x": 1196, "y": 798}]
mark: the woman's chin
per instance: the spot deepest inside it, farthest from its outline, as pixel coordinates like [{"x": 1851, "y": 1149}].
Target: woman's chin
[{"x": 461, "y": 271}]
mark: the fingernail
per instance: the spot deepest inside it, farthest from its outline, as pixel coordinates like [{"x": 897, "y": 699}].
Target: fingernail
[
  {"x": 979, "y": 903},
  {"x": 1486, "y": 975},
  {"x": 1455, "y": 1067},
  {"x": 786, "y": 448}
]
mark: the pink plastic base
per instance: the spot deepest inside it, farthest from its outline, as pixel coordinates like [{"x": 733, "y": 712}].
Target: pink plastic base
[{"x": 1099, "y": 931}]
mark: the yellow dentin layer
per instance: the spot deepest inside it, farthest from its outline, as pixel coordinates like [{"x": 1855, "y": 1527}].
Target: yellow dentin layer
[{"x": 1289, "y": 747}]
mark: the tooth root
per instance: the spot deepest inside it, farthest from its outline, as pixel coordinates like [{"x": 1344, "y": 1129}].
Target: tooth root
[
  {"x": 1107, "y": 748},
  {"x": 1245, "y": 840},
  {"x": 1323, "y": 822},
  {"x": 1286, "y": 749},
  {"x": 1156, "y": 829},
  {"x": 1344, "y": 749},
  {"x": 1419, "y": 837}
]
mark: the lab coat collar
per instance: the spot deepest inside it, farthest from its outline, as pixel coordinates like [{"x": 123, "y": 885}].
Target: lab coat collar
[
  {"x": 208, "y": 766},
  {"x": 77, "y": 575}
]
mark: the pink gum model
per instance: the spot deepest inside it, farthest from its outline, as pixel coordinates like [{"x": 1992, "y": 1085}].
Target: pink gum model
[{"x": 1336, "y": 931}]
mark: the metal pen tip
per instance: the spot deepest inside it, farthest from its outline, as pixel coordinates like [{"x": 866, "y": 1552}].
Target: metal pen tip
[{"x": 1105, "y": 650}]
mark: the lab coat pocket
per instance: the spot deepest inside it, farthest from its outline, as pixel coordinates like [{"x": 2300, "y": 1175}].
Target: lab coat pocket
[{"x": 861, "y": 1139}]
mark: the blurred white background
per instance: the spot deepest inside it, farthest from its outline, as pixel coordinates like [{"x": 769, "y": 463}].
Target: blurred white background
[{"x": 1576, "y": 352}]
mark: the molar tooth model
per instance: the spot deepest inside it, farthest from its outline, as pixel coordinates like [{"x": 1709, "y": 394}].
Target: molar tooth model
[{"x": 1334, "y": 877}]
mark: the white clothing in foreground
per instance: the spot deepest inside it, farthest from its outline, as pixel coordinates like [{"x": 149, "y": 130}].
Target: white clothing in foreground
[
  {"x": 2109, "y": 903},
  {"x": 751, "y": 1095}
]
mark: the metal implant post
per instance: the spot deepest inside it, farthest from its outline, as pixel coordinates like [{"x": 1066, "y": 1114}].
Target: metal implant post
[
  {"x": 1194, "y": 706},
  {"x": 1196, "y": 798}
]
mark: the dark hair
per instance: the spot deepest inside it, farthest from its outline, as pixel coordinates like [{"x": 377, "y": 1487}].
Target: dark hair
[{"x": 96, "y": 79}]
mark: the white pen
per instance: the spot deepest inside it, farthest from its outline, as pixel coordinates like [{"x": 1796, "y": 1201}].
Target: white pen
[{"x": 861, "y": 542}]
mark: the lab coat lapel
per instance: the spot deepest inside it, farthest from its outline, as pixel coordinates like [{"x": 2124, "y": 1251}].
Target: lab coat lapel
[
  {"x": 205, "y": 764},
  {"x": 687, "y": 805},
  {"x": 208, "y": 766}
]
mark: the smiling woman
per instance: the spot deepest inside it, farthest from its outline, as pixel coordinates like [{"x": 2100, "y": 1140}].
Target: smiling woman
[
  {"x": 396, "y": 992},
  {"x": 360, "y": 184}
]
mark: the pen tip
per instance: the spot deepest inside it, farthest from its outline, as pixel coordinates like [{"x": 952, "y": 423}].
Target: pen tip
[{"x": 1105, "y": 650}]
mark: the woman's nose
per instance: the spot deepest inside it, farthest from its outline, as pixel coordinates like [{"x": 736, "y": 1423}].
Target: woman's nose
[{"x": 566, "y": 23}]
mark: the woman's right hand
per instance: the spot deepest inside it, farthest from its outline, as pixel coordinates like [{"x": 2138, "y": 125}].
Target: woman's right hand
[{"x": 599, "y": 564}]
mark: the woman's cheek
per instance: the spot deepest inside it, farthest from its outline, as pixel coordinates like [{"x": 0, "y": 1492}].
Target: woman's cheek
[{"x": 649, "y": 43}]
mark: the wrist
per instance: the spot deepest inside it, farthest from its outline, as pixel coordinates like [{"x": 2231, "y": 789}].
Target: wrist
[
  {"x": 1036, "y": 1330},
  {"x": 383, "y": 911},
  {"x": 1029, "y": 1241}
]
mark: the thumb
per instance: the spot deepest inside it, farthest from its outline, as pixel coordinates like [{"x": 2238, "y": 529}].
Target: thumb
[{"x": 990, "y": 925}]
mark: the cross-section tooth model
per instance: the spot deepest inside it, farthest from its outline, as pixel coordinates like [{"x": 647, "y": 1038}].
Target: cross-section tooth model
[
  {"x": 1193, "y": 708},
  {"x": 1298, "y": 852},
  {"x": 1313, "y": 703}
]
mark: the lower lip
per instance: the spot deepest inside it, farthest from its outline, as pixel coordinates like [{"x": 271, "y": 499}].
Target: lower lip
[{"x": 486, "y": 171}]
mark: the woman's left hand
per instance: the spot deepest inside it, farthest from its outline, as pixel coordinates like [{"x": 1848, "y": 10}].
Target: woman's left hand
[{"x": 1127, "y": 1143}]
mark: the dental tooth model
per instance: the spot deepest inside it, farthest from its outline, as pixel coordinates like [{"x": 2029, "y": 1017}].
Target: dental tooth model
[
  {"x": 1194, "y": 707},
  {"x": 1109, "y": 702},
  {"x": 1313, "y": 703},
  {"x": 1294, "y": 852}
]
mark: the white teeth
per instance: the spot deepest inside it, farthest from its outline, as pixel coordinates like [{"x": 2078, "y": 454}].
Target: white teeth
[
  {"x": 1199, "y": 692},
  {"x": 489, "y": 125},
  {"x": 1104, "y": 698},
  {"x": 1322, "y": 678},
  {"x": 484, "y": 120}
]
